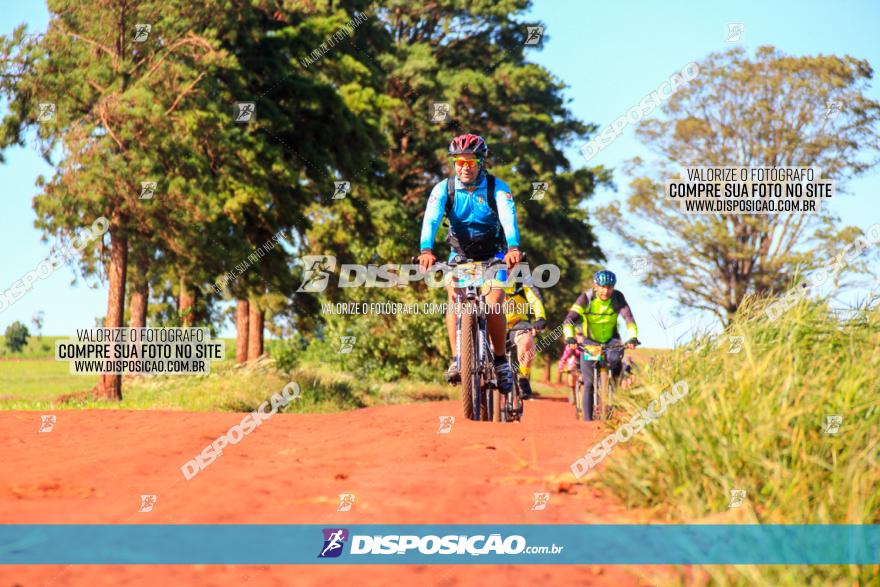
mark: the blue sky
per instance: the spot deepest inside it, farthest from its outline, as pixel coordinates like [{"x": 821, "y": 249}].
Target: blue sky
[{"x": 609, "y": 54}]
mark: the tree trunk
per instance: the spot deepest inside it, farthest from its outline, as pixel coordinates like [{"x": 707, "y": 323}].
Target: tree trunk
[
  {"x": 242, "y": 310},
  {"x": 255, "y": 334},
  {"x": 110, "y": 386},
  {"x": 140, "y": 293},
  {"x": 139, "y": 306},
  {"x": 547, "y": 362},
  {"x": 186, "y": 305}
]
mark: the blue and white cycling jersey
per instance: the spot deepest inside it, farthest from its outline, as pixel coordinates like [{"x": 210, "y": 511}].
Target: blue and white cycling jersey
[{"x": 471, "y": 217}]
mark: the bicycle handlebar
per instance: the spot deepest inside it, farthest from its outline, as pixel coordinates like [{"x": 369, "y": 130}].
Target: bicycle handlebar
[
  {"x": 453, "y": 264},
  {"x": 606, "y": 346}
]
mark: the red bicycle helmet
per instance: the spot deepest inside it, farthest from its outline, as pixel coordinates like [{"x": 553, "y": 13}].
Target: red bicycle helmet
[{"x": 468, "y": 143}]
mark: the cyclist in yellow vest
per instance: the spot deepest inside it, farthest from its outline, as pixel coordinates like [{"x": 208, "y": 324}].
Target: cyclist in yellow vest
[
  {"x": 521, "y": 300},
  {"x": 597, "y": 309}
]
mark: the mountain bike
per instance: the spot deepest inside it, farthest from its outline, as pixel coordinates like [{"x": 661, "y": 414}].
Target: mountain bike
[
  {"x": 602, "y": 392},
  {"x": 481, "y": 398},
  {"x": 512, "y": 409}
]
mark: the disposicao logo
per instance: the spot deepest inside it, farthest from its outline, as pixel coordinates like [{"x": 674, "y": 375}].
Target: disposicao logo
[{"x": 334, "y": 540}]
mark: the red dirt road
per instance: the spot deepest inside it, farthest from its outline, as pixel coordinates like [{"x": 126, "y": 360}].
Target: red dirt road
[{"x": 94, "y": 466}]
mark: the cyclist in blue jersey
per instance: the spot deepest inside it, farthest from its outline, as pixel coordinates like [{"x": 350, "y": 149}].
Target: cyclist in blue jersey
[{"x": 482, "y": 226}]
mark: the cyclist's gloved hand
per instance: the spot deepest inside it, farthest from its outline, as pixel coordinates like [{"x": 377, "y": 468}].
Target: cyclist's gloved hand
[
  {"x": 426, "y": 260},
  {"x": 512, "y": 257},
  {"x": 631, "y": 343},
  {"x": 572, "y": 343},
  {"x": 540, "y": 324}
]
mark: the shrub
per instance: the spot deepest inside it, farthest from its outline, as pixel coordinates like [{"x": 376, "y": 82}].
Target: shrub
[{"x": 16, "y": 336}]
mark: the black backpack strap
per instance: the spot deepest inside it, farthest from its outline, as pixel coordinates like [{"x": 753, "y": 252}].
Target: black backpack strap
[
  {"x": 617, "y": 301},
  {"x": 589, "y": 294},
  {"x": 493, "y": 204},
  {"x": 450, "y": 194},
  {"x": 490, "y": 193}
]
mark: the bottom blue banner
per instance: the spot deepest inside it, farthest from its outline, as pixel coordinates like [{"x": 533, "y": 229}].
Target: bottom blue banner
[{"x": 439, "y": 544}]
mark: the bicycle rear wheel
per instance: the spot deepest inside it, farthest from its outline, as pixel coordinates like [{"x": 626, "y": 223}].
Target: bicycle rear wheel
[
  {"x": 496, "y": 405},
  {"x": 517, "y": 400},
  {"x": 513, "y": 404},
  {"x": 609, "y": 397}
]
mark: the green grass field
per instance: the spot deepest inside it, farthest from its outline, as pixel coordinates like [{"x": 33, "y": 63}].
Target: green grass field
[
  {"x": 36, "y": 348},
  {"x": 38, "y": 380},
  {"x": 35, "y": 384}
]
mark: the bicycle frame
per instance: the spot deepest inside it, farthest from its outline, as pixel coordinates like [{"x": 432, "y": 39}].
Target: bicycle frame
[
  {"x": 471, "y": 297},
  {"x": 597, "y": 353}
]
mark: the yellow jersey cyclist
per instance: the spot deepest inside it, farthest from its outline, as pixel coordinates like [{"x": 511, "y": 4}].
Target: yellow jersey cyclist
[
  {"x": 524, "y": 299},
  {"x": 569, "y": 364},
  {"x": 597, "y": 310},
  {"x": 482, "y": 226}
]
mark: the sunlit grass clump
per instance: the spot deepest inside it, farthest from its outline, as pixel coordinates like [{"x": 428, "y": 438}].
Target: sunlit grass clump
[{"x": 758, "y": 420}]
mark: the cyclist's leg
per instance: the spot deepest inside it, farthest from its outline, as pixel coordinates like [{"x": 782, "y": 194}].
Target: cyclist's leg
[
  {"x": 450, "y": 317},
  {"x": 525, "y": 352},
  {"x": 496, "y": 324},
  {"x": 496, "y": 320},
  {"x": 452, "y": 373}
]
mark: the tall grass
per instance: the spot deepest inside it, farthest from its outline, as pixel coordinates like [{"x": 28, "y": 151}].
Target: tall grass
[{"x": 755, "y": 420}]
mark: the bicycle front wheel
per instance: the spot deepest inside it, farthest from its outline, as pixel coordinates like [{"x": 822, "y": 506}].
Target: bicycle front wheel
[
  {"x": 603, "y": 397},
  {"x": 470, "y": 376}
]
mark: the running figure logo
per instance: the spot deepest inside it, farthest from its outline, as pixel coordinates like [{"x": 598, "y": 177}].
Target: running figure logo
[
  {"x": 346, "y": 500},
  {"x": 446, "y": 423},
  {"x": 638, "y": 266},
  {"x": 47, "y": 423},
  {"x": 832, "y": 424},
  {"x": 439, "y": 111},
  {"x": 47, "y": 111},
  {"x": 347, "y": 344},
  {"x": 244, "y": 111},
  {"x": 736, "y": 343},
  {"x": 541, "y": 501},
  {"x": 315, "y": 276},
  {"x": 737, "y": 498},
  {"x": 147, "y": 503},
  {"x": 833, "y": 109},
  {"x": 735, "y": 32},
  {"x": 334, "y": 540},
  {"x": 141, "y": 33},
  {"x": 148, "y": 188},
  {"x": 539, "y": 190},
  {"x": 341, "y": 188},
  {"x": 534, "y": 34}
]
